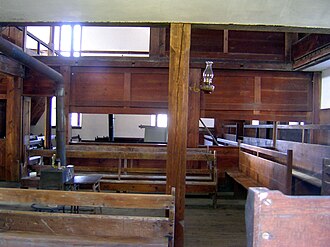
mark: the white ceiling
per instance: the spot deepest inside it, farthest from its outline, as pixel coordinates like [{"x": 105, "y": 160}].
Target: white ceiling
[{"x": 285, "y": 13}]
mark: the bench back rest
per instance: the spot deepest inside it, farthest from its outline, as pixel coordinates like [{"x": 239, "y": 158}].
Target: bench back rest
[
  {"x": 270, "y": 168},
  {"x": 84, "y": 225},
  {"x": 307, "y": 158},
  {"x": 274, "y": 219},
  {"x": 325, "y": 189}
]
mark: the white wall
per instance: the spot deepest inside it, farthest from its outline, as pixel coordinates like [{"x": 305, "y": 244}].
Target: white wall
[
  {"x": 97, "y": 125},
  {"x": 93, "y": 125},
  {"x": 128, "y": 125},
  {"x": 325, "y": 89}
]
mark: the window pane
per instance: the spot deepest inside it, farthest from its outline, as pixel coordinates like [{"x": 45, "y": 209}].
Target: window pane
[
  {"x": 42, "y": 33},
  {"x": 162, "y": 120},
  {"x": 53, "y": 113},
  {"x": 75, "y": 119},
  {"x": 76, "y": 37},
  {"x": 65, "y": 38},
  {"x": 115, "y": 38}
]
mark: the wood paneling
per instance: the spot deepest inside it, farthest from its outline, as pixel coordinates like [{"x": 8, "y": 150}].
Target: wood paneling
[
  {"x": 273, "y": 219},
  {"x": 309, "y": 44},
  {"x": 2, "y": 159},
  {"x": 99, "y": 87},
  {"x": 109, "y": 88},
  {"x": 270, "y": 94},
  {"x": 38, "y": 85},
  {"x": 306, "y": 157},
  {"x": 148, "y": 87},
  {"x": 257, "y": 43},
  {"x": 13, "y": 128}
]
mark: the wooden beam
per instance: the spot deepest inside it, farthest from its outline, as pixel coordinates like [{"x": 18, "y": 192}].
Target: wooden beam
[
  {"x": 194, "y": 108},
  {"x": 26, "y": 130},
  {"x": 13, "y": 128},
  {"x": 316, "y": 103},
  {"x": 11, "y": 67},
  {"x": 48, "y": 123},
  {"x": 177, "y": 125}
]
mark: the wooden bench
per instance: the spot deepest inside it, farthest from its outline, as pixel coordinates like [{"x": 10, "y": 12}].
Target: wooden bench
[
  {"x": 29, "y": 228},
  {"x": 262, "y": 167},
  {"x": 198, "y": 181},
  {"x": 127, "y": 172},
  {"x": 273, "y": 219}
]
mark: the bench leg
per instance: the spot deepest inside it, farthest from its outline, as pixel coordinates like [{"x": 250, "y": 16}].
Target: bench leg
[{"x": 214, "y": 200}]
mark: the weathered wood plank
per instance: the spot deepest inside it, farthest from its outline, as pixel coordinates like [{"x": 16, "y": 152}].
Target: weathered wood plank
[
  {"x": 85, "y": 198},
  {"x": 84, "y": 225},
  {"x": 273, "y": 219},
  {"x": 177, "y": 125},
  {"x": 13, "y": 127}
]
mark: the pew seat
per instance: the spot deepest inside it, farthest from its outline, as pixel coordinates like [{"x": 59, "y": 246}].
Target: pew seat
[{"x": 261, "y": 167}]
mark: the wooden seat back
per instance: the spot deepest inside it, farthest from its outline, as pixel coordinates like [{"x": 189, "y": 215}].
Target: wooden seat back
[
  {"x": 274, "y": 219},
  {"x": 103, "y": 226},
  {"x": 271, "y": 169}
]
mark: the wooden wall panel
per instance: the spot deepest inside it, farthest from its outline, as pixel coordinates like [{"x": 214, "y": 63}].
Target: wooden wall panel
[
  {"x": 148, "y": 87},
  {"x": 118, "y": 90},
  {"x": 38, "y": 85},
  {"x": 257, "y": 43},
  {"x": 231, "y": 90},
  {"x": 247, "y": 95},
  {"x": 206, "y": 40},
  {"x": 98, "y": 87}
]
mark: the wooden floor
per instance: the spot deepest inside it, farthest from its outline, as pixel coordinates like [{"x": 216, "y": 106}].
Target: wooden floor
[
  {"x": 223, "y": 227},
  {"x": 204, "y": 225}
]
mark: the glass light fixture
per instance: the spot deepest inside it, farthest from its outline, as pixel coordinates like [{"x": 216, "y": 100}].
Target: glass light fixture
[{"x": 207, "y": 86}]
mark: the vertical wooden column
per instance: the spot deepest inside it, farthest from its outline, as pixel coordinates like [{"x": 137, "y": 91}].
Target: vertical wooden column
[
  {"x": 66, "y": 72},
  {"x": 157, "y": 41},
  {"x": 239, "y": 130},
  {"x": 177, "y": 121},
  {"x": 26, "y": 130},
  {"x": 13, "y": 128},
  {"x": 48, "y": 123},
  {"x": 316, "y": 106},
  {"x": 193, "y": 113},
  {"x": 193, "y": 109}
]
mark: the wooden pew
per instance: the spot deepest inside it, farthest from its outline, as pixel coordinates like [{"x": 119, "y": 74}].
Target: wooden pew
[
  {"x": 262, "y": 167},
  {"x": 273, "y": 219},
  {"x": 128, "y": 176},
  {"x": 28, "y": 228}
]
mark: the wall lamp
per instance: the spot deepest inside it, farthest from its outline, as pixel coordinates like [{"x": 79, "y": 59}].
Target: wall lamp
[{"x": 206, "y": 85}]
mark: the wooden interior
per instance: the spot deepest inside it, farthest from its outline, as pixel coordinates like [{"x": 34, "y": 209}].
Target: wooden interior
[{"x": 259, "y": 74}]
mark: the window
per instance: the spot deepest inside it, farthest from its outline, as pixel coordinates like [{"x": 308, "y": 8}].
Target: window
[
  {"x": 159, "y": 120},
  {"x": 75, "y": 118},
  {"x": 325, "y": 89}
]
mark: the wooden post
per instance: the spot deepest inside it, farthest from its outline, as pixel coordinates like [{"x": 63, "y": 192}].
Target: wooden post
[
  {"x": 316, "y": 106},
  {"x": 193, "y": 113},
  {"x": 66, "y": 72},
  {"x": 26, "y": 130},
  {"x": 177, "y": 121},
  {"x": 239, "y": 130},
  {"x": 275, "y": 124},
  {"x": 13, "y": 128},
  {"x": 48, "y": 123}
]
